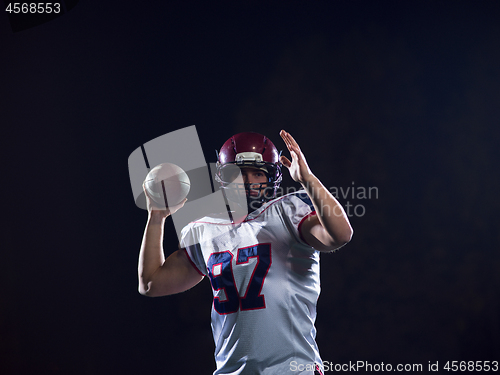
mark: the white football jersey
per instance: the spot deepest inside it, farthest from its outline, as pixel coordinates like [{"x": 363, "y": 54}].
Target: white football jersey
[{"x": 265, "y": 282}]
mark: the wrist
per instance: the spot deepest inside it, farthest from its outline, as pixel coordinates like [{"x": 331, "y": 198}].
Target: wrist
[
  {"x": 310, "y": 181},
  {"x": 157, "y": 217}
]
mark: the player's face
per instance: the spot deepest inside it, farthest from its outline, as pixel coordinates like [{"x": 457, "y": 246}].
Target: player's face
[{"x": 254, "y": 177}]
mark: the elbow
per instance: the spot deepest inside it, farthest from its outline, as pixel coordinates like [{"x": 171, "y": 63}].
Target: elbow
[
  {"x": 151, "y": 289},
  {"x": 346, "y": 238},
  {"x": 343, "y": 239},
  {"x": 148, "y": 293},
  {"x": 146, "y": 290},
  {"x": 143, "y": 291}
]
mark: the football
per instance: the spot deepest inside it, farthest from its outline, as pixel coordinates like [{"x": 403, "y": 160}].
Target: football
[{"x": 167, "y": 185}]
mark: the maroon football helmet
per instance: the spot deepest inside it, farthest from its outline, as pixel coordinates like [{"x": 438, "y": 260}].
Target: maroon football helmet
[{"x": 249, "y": 150}]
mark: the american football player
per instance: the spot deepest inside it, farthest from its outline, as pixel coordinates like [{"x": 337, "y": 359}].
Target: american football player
[{"x": 263, "y": 267}]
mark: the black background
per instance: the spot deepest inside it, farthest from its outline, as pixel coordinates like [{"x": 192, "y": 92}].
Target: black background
[{"x": 384, "y": 94}]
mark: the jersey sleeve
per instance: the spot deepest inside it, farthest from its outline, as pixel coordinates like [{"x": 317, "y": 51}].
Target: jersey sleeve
[
  {"x": 298, "y": 207},
  {"x": 193, "y": 249}
]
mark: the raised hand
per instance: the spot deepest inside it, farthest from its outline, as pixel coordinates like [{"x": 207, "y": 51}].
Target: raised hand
[
  {"x": 298, "y": 168},
  {"x": 160, "y": 210}
]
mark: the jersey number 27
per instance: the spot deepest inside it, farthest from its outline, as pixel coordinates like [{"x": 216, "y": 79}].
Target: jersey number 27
[{"x": 220, "y": 271}]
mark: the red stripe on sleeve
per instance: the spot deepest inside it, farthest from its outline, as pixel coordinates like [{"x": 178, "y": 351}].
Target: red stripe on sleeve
[
  {"x": 192, "y": 263},
  {"x": 300, "y": 225}
]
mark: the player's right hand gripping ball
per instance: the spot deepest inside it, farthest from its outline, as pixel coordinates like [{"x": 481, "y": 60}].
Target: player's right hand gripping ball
[{"x": 167, "y": 185}]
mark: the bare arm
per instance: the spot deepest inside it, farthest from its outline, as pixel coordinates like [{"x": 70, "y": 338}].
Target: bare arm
[
  {"x": 329, "y": 229},
  {"x": 157, "y": 276}
]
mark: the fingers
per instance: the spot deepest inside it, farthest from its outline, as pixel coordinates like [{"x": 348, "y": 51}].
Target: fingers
[
  {"x": 284, "y": 160},
  {"x": 286, "y": 138},
  {"x": 152, "y": 205},
  {"x": 290, "y": 143},
  {"x": 175, "y": 208}
]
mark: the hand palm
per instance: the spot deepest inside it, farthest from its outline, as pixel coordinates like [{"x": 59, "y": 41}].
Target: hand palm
[{"x": 298, "y": 168}]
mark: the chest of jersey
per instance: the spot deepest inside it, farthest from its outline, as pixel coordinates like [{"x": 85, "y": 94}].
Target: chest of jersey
[
  {"x": 265, "y": 284},
  {"x": 239, "y": 261}
]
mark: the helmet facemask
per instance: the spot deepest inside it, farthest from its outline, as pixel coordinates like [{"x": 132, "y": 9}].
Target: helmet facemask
[
  {"x": 248, "y": 150},
  {"x": 231, "y": 180}
]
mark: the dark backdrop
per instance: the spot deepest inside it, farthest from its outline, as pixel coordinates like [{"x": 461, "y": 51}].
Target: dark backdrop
[{"x": 401, "y": 98}]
